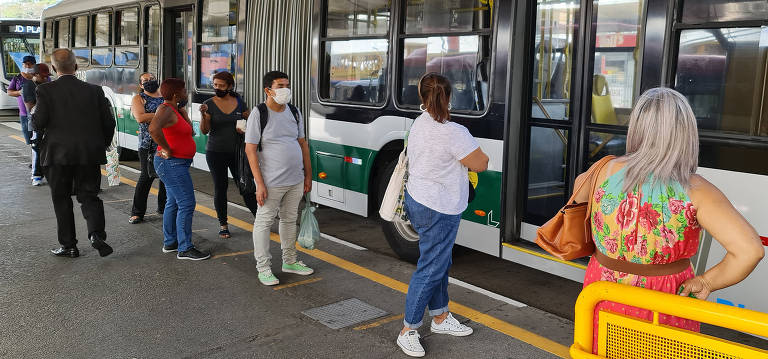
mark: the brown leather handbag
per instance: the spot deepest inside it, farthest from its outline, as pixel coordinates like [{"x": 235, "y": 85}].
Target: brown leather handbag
[{"x": 568, "y": 235}]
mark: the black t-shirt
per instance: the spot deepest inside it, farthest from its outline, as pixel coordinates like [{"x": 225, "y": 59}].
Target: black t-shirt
[
  {"x": 223, "y": 136},
  {"x": 28, "y": 91}
]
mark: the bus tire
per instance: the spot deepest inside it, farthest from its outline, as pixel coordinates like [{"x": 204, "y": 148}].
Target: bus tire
[{"x": 402, "y": 238}]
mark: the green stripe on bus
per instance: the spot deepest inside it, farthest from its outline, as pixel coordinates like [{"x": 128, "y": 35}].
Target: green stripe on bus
[
  {"x": 127, "y": 124},
  {"x": 329, "y": 159}
]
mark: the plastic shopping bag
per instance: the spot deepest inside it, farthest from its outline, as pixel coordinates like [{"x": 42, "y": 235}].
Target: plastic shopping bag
[
  {"x": 113, "y": 164},
  {"x": 309, "y": 231}
]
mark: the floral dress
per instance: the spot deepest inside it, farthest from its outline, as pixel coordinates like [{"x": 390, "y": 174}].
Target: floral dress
[{"x": 655, "y": 225}]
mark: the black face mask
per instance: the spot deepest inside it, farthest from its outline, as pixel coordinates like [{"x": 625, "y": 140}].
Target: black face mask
[
  {"x": 151, "y": 86},
  {"x": 182, "y": 103},
  {"x": 222, "y": 93}
]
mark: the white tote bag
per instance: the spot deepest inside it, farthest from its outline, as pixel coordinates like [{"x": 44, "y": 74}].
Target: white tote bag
[{"x": 392, "y": 205}]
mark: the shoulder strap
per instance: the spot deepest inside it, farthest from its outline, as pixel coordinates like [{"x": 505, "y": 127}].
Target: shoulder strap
[
  {"x": 592, "y": 174},
  {"x": 263, "y": 119},
  {"x": 295, "y": 112},
  {"x": 239, "y": 103}
]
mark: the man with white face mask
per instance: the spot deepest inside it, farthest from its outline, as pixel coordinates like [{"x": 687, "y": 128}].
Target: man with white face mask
[
  {"x": 278, "y": 155},
  {"x": 14, "y": 89}
]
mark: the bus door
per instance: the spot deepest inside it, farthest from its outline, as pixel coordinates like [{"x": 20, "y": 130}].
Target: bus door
[
  {"x": 179, "y": 44},
  {"x": 584, "y": 81}
]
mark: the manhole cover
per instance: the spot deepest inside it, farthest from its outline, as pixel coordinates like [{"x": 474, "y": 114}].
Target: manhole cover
[{"x": 345, "y": 313}]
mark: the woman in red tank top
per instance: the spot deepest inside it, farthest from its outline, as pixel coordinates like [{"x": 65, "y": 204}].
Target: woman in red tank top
[{"x": 172, "y": 130}]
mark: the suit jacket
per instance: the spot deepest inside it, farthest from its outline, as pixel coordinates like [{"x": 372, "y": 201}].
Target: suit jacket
[{"x": 76, "y": 121}]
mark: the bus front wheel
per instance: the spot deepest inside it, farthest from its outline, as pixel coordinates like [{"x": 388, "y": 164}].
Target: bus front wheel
[{"x": 401, "y": 236}]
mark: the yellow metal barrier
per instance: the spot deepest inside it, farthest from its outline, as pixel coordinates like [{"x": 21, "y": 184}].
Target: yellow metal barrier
[{"x": 629, "y": 337}]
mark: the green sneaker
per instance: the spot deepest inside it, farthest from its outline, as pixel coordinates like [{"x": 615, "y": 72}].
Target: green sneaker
[
  {"x": 298, "y": 268},
  {"x": 267, "y": 278}
]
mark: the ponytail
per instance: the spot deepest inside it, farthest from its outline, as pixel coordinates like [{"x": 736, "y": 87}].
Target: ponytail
[{"x": 435, "y": 95}]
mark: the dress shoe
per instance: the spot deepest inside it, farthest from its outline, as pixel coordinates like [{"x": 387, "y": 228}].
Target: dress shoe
[
  {"x": 101, "y": 246},
  {"x": 70, "y": 252}
]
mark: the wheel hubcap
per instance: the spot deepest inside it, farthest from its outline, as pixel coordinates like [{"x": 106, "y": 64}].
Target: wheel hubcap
[{"x": 405, "y": 230}]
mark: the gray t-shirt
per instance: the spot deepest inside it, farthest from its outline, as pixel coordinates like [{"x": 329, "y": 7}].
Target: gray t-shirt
[
  {"x": 436, "y": 177},
  {"x": 280, "y": 160}
]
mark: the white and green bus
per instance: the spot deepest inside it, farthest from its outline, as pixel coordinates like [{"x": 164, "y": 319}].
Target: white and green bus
[{"x": 545, "y": 86}]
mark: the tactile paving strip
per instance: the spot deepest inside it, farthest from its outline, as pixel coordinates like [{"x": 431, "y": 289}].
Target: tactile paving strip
[{"x": 345, "y": 313}]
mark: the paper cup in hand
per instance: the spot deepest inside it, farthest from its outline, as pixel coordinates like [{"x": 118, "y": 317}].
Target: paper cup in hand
[{"x": 241, "y": 125}]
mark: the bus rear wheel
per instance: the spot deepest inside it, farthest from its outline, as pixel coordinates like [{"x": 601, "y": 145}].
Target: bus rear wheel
[{"x": 401, "y": 236}]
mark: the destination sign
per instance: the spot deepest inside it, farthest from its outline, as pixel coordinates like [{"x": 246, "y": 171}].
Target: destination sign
[{"x": 23, "y": 29}]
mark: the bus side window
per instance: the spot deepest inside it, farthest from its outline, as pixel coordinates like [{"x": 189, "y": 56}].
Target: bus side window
[
  {"x": 127, "y": 37},
  {"x": 216, "y": 46},
  {"x": 152, "y": 39},
  {"x": 354, "y": 71},
  {"x": 462, "y": 56},
  {"x": 62, "y": 33},
  {"x": 80, "y": 37}
]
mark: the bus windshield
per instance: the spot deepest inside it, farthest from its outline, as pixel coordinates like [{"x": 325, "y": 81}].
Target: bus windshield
[{"x": 13, "y": 51}]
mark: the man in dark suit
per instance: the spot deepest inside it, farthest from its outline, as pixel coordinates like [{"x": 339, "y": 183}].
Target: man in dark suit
[{"x": 77, "y": 125}]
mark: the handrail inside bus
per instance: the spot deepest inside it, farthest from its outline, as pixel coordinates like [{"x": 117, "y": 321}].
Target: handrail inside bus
[{"x": 546, "y": 114}]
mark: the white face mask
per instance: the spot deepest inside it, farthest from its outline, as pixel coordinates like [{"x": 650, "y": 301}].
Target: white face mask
[
  {"x": 282, "y": 95},
  {"x": 27, "y": 70}
]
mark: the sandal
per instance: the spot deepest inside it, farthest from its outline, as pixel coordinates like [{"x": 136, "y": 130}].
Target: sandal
[
  {"x": 135, "y": 220},
  {"x": 224, "y": 233}
]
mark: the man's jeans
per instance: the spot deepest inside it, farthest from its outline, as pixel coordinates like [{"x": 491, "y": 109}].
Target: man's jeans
[
  {"x": 282, "y": 201},
  {"x": 24, "y": 120},
  {"x": 429, "y": 283},
  {"x": 180, "y": 202}
]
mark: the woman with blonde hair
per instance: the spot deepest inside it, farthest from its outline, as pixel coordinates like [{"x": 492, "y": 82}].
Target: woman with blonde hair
[
  {"x": 649, "y": 207},
  {"x": 439, "y": 153}
]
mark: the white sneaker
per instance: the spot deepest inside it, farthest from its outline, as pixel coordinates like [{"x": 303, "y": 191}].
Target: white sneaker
[
  {"x": 450, "y": 326},
  {"x": 410, "y": 344}
]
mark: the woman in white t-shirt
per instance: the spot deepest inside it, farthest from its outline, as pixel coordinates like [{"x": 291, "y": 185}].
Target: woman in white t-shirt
[{"x": 439, "y": 154}]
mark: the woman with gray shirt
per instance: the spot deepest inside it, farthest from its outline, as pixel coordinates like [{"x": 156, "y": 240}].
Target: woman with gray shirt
[{"x": 220, "y": 115}]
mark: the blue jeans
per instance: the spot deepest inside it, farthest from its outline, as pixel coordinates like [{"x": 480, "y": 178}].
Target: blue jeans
[
  {"x": 180, "y": 202},
  {"x": 429, "y": 283},
  {"x": 24, "y": 120}
]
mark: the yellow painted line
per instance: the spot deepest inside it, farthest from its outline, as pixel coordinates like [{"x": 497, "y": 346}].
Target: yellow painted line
[
  {"x": 545, "y": 256},
  {"x": 296, "y": 284},
  {"x": 499, "y": 325},
  {"x": 119, "y": 200},
  {"x": 17, "y": 138},
  {"x": 231, "y": 254},
  {"x": 380, "y": 322}
]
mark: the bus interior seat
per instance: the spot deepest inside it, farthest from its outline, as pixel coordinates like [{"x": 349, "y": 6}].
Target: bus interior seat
[
  {"x": 557, "y": 79},
  {"x": 358, "y": 94},
  {"x": 411, "y": 95},
  {"x": 603, "y": 111},
  {"x": 481, "y": 89}
]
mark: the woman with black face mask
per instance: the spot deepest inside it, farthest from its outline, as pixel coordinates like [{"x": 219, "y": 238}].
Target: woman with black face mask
[
  {"x": 143, "y": 107},
  {"x": 219, "y": 121}
]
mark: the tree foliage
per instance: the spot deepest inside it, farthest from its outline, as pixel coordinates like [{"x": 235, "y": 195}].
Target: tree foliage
[{"x": 24, "y": 9}]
